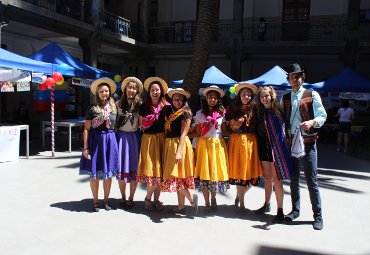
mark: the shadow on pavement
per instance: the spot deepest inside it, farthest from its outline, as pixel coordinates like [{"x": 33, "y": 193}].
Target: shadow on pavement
[
  {"x": 225, "y": 211},
  {"x": 268, "y": 250}
]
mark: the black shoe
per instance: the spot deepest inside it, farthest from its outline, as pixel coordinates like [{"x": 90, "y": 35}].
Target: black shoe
[
  {"x": 318, "y": 223},
  {"x": 292, "y": 216},
  {"x": 107, "y": 206},
  {"x": 279, "y": 218},
  {"x": 264, "y": 209}
]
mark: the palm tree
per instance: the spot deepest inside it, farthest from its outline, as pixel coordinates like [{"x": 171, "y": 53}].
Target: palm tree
[{"x": 205, "y": 27}]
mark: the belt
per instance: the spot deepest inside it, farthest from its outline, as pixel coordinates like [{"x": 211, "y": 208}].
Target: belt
[{"x": 308, "y": 138}]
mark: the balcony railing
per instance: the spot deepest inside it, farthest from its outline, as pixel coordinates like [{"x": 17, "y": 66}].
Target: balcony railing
[
  {"x": 283, "y": 31},
  {"x": 117, "y": 25},
  {"x": 74, "y": 9},
  {"x": 173, "y": 34}
]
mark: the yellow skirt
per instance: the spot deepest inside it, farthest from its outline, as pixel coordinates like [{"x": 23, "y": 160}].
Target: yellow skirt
[
  {"x": 212, "y": 160},
  {"x": 244, "y": 164},
  {"x": 177, "y": 176},
  {"x": 150, "y": 169}
]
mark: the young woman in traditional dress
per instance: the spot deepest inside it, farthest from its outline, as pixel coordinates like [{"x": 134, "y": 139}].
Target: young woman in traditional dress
[
  {"x": 273, "y": 150},
  {"x": 100, "y": 153},
  {"x": 150, "y": 169},
  {"x": 128, "y": 139},
  {"x": 211, "y": 161},
  {"x": 241, "y": 122},
  {"x": 178, "y": 173}
]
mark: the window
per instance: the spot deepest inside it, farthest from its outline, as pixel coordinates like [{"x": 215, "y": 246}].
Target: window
[{"x": 296, "y": 16}]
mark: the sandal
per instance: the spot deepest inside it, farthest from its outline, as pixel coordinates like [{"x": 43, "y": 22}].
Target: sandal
[
  {"x": 107, "y": 206},
  {"x": 236, "y": 203},
  {"x": 130, "y": 204},
  {"x": 214, "y": 204},
  {"x": 123, "y": 203},
  {"x": 194, "y": 204},
  {"x": 177, "y": 211},
  {"x": 158, "y": 205},
  {"x": 96, "y": 207},
  {"x": 148, "y": 206}
]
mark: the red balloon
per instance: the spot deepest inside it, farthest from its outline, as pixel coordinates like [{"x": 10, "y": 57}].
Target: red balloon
[
  {"x": 57, "y": 77},
  {"x": 49, "y": 82},
  {"x": 43, "y": 86}
]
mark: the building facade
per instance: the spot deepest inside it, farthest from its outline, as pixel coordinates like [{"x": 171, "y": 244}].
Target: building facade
[{"x": 155, "y": 37}]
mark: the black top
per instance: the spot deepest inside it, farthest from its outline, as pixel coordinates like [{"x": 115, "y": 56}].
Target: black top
[
  {"x": 251, "y": 128},
  {"x": 158, "y": 125},
  {"x": 175, "y": 125},
  {"x": 261, "y": 128},
  {"x": 91, "y": 113}
]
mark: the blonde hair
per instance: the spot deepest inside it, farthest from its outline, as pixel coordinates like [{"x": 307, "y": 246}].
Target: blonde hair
[
  {"x": 98, "y": 104},
  {"x": 274, "y": 102}
]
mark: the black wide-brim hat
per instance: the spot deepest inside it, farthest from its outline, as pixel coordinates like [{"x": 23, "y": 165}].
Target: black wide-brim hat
[{"x": 294, "y": 68}]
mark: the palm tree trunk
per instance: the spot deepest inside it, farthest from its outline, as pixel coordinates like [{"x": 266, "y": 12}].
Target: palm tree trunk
[{"x": 205, "y": 28}]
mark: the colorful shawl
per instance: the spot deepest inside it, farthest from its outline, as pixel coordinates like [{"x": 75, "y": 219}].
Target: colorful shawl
[
  {"x": 149, "y": 119},
  {"x": 127, "y": 115},
  {"x": 172, "y": 117},
  {"x": 212, "y": 120},
  {"x": 280, "y": 152},
  {"x": 103, "y": 116}
]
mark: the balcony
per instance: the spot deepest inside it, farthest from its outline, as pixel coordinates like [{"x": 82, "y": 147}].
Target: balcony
[
  {"x": 116, "y": 24},
  {"x": 283, "y": 31},
  {"x": 80, "y": 10}
]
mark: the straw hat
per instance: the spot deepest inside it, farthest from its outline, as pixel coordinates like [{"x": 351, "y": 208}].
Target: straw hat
[
  {"x": 132, "y": 79},
  {"x": 246, "y": 85},
  {"x": 178, "y": 91},
  {"x": 214, "y": 88},
  {"x": 148, "y": 81},
  {"x": 105, "y": 80}
]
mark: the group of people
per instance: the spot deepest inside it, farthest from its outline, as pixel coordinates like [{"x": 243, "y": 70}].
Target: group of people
[{"x": 148, "y": 142}]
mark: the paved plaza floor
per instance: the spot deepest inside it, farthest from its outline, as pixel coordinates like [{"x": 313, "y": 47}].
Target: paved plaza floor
[{"x": 45, "y": 209}]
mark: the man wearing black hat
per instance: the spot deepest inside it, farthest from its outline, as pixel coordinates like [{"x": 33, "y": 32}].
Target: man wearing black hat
[{"x": 303, "y": 109}]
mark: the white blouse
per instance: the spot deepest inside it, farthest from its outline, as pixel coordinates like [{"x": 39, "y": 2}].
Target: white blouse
[{"x": 213, "y": 132}]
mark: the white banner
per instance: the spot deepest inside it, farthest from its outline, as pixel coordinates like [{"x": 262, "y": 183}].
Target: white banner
[
  {"x": 354, "y": 96},
  {"x": 9, "y": 143},
  {"x": 82, "y": 82}
]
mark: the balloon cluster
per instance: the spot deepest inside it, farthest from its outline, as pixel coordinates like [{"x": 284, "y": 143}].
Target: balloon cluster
[
  {"x": 232, "y": 91},
  {"x": 56, "y": 78}
]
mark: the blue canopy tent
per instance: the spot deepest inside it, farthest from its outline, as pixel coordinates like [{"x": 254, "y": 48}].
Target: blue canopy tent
[
  {"x": 68, "y": 65},
  {"x": 277, "y": 77},
  {"x": 12, "y": 60},
  {"x": 212, "y": 76},
  {"x": 346, "y": 81}
]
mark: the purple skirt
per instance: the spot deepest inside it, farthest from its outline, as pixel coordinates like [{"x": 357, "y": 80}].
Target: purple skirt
[
  {"x": 103, "y": 149},
  {"x": 128, "y": 151}
]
